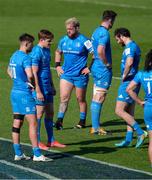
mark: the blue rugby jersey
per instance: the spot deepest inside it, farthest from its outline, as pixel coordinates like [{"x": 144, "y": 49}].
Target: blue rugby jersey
[
  {"x": 145, "y": 79},
  {"x": 101, "y": 36},
  {"x": 41, "y": 57},
  {"x": 19, "y": 61},
  {"x": 75, "y": 52},
  {"x": 131, "y": 50}
]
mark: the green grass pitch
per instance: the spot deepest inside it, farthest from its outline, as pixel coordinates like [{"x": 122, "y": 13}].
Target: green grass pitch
[{"x": 30, "y": 16}]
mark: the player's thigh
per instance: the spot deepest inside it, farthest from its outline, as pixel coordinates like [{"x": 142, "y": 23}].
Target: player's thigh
[
  {"x": 31, "y": 119},
  {"x": 120, "y": 106},
  {"x": 150, "y": 137},
  {"x": 66, "y": 88},
  {"x": 40, "y": 110},
  {"x": 131, "y": 108},
  {"x": 102, "y": 79},
  {"x": 23, "y": 102}
]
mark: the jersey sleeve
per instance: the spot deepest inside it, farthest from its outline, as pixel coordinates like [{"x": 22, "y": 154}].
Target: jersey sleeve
[
  {"x": 27, "y": 63},
  {"x": 88, "y": 45},
  {"x": 137, "y": 78},
  {"x": 60, "y": 44},
  {"x": 130, "y": 52},
  {"x": 35, "y": 57},
  {"x": 103, "y": 39}
]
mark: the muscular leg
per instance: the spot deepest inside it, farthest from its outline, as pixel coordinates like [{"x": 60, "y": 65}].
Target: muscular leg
[
  {"x": 49, "y": 113},
  {"x": 129, "y": 118},
  {"x": 40, "y": 111},
  {"x": 32, "y": 122},
  {"x": 65, "y": 93},
  {"x": 81, "y": 98},
  {"x": 17, "y": 124},
  {"x": 96, "y": 105},
  {"x": 150, "y": 147}
]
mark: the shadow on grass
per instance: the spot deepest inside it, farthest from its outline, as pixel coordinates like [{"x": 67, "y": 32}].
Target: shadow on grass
[{"x": 114, "y": 122}]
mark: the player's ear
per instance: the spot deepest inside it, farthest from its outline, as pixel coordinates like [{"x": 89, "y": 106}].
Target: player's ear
[{"x": 26, "y": 44}]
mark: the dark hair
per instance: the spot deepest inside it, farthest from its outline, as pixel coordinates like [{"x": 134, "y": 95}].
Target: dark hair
[
  {"x": 45, "y": 34},
  {"x": 122, "y": 31},
  {"x": 109, "y": 14},
  {"x": 26, "y": 37},
  {"x": 148, "y": 61}
]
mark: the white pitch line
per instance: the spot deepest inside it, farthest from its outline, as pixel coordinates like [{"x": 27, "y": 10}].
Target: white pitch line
[
  {"x": 108, "y": 3},
  {"x": 88, "y": 159},
  {"x": 42, "y": 174}
]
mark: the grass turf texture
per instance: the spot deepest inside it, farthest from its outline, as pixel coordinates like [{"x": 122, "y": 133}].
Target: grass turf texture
[{"x": 30, "y": 16}]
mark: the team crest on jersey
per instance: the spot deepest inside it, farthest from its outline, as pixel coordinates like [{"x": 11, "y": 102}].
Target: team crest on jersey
[
  {"x": 64, "y": 44},
  {"x": 27, "y": 109},
  {"x": 127, "y": 51},
  {"x": 78, "y": 44},
  {"x": 105, "y": 83},
  {"x": 120, "y": 96}
]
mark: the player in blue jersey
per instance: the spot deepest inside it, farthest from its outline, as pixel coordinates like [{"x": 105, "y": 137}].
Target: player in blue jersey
[
  {"x": 101, "y": 69},
  {"x": 75, "y": 48},
  {"x": 23, "y": 104},
  {"x": 44, "y": 87},
  {"x": 125, "y": 105},
  {"x": 145, "y": 79}
]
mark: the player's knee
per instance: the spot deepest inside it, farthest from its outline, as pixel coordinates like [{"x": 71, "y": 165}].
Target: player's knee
[
  {"x": 99, "y": 96},
  {"x": 118, "y": 111},
  {"x": 81, "y": 99},
  {"x": 64, "y": 99}
]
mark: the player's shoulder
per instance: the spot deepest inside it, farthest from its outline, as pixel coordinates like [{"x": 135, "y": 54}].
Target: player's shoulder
[
  {"x": 36, "y": 48},
  {"x": 83, "y": 38}
]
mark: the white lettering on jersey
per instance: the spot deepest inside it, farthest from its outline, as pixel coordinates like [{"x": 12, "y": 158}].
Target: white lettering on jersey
[
  {"x": 88, "y": 44},
  {"x": 127, "y": 51}
]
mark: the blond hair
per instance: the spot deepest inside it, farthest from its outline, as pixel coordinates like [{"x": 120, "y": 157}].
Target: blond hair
[{"x": 73, "y": 21}]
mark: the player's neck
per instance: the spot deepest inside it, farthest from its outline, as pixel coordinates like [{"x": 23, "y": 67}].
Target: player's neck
[
  {"x": 22, "y": 48},
  {"x": 127, "y": 41},
  {"x": 105, "y": 25},
  {"x": 40, "y": 44}
]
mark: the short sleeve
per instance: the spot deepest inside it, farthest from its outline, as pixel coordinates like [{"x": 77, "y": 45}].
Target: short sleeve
[
  {"x": 103, "y": 39},
  {"x": 137, "y": 78},
  {"x": 35, "y": 57},
  {"x": 88, "y": 45},
  {"x": 27, "y": 63}
]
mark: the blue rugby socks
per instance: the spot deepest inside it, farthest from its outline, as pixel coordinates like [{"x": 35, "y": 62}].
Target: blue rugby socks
[
  {"x": 83, "y": 117},
  {"x": 129, "y": 136},
  {"x": 95, "y": 114},
  {"x": 37, "y": 151},
  {"x": 138, "y": 129},
  {"x": 17, "y": 149},
  {"x": 49, "y": 129}
]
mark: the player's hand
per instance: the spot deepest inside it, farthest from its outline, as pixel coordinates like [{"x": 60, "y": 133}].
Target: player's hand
[
  {"x": 85, "y": 71},
  {"x": 109, "y": 66},
  {"x": 59, "y": 70},
  {"x": 39, "y": 96},
  {"x": 142, "y": 103}
]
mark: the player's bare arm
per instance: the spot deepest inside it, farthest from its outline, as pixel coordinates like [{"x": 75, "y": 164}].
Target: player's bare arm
[
  {"x": 128, "y": 65},
  {"x": 37, "y": 87},
  {"x": 58, "y": 57}
]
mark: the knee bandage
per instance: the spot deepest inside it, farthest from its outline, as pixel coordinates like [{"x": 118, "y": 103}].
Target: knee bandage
[
  {"x": 18, "y": 116},
  {"x": 15, "y": 130}
]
